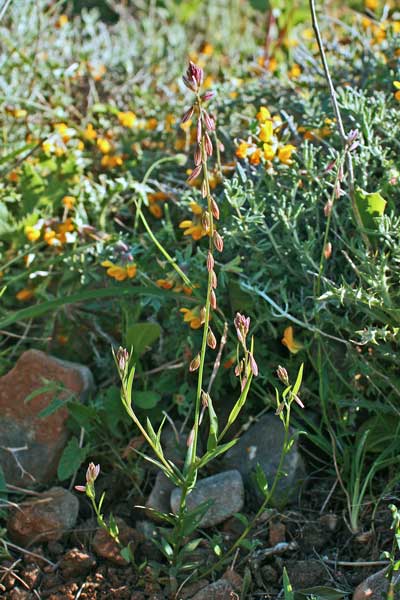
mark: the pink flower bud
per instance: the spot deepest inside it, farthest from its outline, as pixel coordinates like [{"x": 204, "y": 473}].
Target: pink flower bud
[
  {"x": 204, "y": 399},
  {"x": 196, "y": 171},
  {"x": 190, "y": 83},
  {"x": 218, "y": 241},
  {"x": 242, "y": 326},
  {"x": 209, "y": 121},
  {"x": 210, "y": 261},
  {"x": 328, "y": 208},
  {"x": 195, "y": 73},
  {"x": 188, "y": 115},
  {"x": 205, "y": 220},
  {"x": 328, "y": 250},
  {"x": 197, "y": 156},
  {"x": 199, "y": 132},
  {"x": 202, "y": 315},
  {"x": 190, "y": 439},
  {"x": 207, "y": 96},
  {"x": 243, "y": 384},
  {"x": 214, "y": 280},
  {"x": 204, "y": 188},
  {"x": 195, "y": 363},
  {"x": 211, "y": 340},
  {"x": 282, "y": 375},
  {"x": 92, "y": 473},
  {"x": 253, "y": 365},
  {"x": 213, "y": 300},
  {"x": 122, "y": 357},
  {"x": 208, "y": 144},
  {"x": 80, "y": 488},
  {"x": 298, "y": 401},
  {"x": 214, "y": 208}
]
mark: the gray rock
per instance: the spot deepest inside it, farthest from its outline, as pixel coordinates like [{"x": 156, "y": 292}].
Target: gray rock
[
  {"x": 159, "y": 498},
  {"x": 375, "y": 587},
  {"x": 262, "y": 443},
  {"x": 226, "y": 492},
  {"x": 306, "y": 573},
  {"x": 30, "y": 446},
  {"x": 45, "y": 518}
]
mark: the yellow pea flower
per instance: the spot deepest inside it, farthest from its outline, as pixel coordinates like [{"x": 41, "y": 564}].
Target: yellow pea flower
[
  {"x": 242, "y": 150},
  {"x": 118, "y": 272},
  {"x": 285, "y": 153},
  {"x": 192, "y": 317},
  {"x": 32, "y": 233},
  {"x": 24, "y": 295},
  {"x": 103, "y": 145},
  {"x": 126, "y": 119},
  {"x": 263, "y": 114},
  {"x": 68, "y": 202},
  {"x": 266, "y": 132},
  {"x": 268, "y": 152},
  {"x": 90, "y": 133},
  {"x": 288, "y": 340}
]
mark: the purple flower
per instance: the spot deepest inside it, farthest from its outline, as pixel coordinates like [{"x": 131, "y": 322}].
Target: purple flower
[{"x": 242, "y": 325}]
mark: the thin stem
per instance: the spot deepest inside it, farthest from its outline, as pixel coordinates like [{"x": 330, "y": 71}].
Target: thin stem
[{"x": 339, "y": 121}]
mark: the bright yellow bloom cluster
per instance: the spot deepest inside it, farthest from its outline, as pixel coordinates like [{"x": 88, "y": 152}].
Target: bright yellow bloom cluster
[
  {"x": 104, "y": 145},
  {"x": 267, "y": 146},
  {"x": 171, "y": 283},
  {"x": 110, "y": 162},
  {"x": 194, "y": 227},
  {"x": 119, "y": 272},
  {"x": 192, "y": 316},
  {"x": 126, "y": 119},
  {"x": 32, "y": 233},
  {"x": 58, "y": 234},
  {"x": 397, "y": 92}
]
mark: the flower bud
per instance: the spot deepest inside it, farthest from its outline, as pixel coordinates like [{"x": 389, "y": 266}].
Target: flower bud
[
  {"x": 243, "y": 384},
  {"x": 122, "y": 357},
  {"x": 196, "y": 171},
  {"x": 214, "y": 208},
  {"x": 207, "y": 96},
  {"x": 328, "y": 250},
  {"x": 253, "y": 365},
  {"x": 211, "y": 340},
  {"x": 208, "y": 144},
  {"x": 328, "y": 208},
  {"x": 202, "y": 315},
  {"x": 195, "y": 73},
  {"x": 204, "y": 188},
  {"x": 210, "y": 261},
  {"x": 213, "y": 300},
  {"x": 195, "y": 363},
  {"x": 209, "y": 121},
  {"x": 92, "y": 473},
  {"x": 282, "y": 375},
  {"x": 204, "y": 399},
  {"x": 205, "y": 220},
  {"x": 190, "y": 438},
  {"x": 242, "y": 326},
  {"x": 197, "y": 156},
  {"x": 188, "y": 115},
  {"x": 214, "y": 280},
  {"x": 199, "y": 131},
  {"x": 218, "y": 241}
]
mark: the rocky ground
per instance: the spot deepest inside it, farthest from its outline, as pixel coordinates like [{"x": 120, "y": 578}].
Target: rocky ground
[{"x": 57, "y": 551}]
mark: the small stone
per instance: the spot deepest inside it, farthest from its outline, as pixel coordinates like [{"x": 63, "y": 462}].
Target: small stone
[
  {"x": 105, "y": 547},
  {"x": 262, "y": 444},
  {"x": 277, "y": 533},
  {"x": 219, "y": 590},
  {"x": 306, "y": 573},
  {"x": 375, "y": 587},
  {"x": 76, "y": 562},
  {"x": 159, "y": 496},
  {"x": 45, "y": 518},
  {"x": 31, "y": 446},
  {"x": 226, "y": 492}
]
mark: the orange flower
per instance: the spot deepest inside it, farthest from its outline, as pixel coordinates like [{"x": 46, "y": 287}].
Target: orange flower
[
  {"x": 24, "y": 295},
  {"x": 165, "y": 284},
  {"x": 192, "y": 317},
  {"x": 90, "y": 133},
  {"x": 242, "y": 150},
  {"x": 288, "y": 340},
  {"x": 120, "y": 273},
  {"x": 255, "y": 157},
  {"x": 68, "y": 202}
]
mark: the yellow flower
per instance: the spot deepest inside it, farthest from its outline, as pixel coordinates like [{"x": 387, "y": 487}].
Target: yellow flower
[
  {"x": 397, "y": 92},
  {"x": 63, "y": 130},
  {"x": 396, "y": 28},
  {"x": 151, "y": 123},
  {"x": 242, "y": 150},
  {"x": 288, "y": 340},
  {"x": 266, "y": 131},
  {"x": 120, "y": 273},
  {"x": 103, "y": 145},
  {"x": 272, "y": 64},
  {"x": 24, "y": 295},
  {"x": 255, "y": 157},
  {"x": 68, "y": 202},
  {"x": 371, "y": 4},
  {"x": 169, "y": 122},
  {"x": 32, "y": 233},
  {"x": 208, "y": 81},
  {"x": 263, "y": 114},
  {"x": 207, "y": 49},
  {"x": 17, "y": 113},
  {"x": 126, "y": 119},
  {"x": 294, "y": 72},
  {"x": 268, "y": 151},
  {"x": 90, "y": 133},
  {"x": 50, "y": 237},
  {"x": 193, "y": 228},
  {"x": 62, "y": 21},
  {"x": 195, "y": 208},
  {"x": 285, "y": 153},
  {"x": 97, "y": 71},
  {"x": 165, "y": 284},
  {"x": 109, "y": 162},
  {"x": 192, "y": 317}
]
